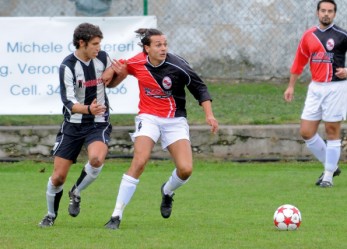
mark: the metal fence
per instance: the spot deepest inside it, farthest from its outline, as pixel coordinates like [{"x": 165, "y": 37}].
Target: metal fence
[{"x": 250, "y": 40}]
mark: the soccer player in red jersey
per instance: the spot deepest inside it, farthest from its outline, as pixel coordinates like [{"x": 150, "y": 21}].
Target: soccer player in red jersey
[
  {"x": 162, "y": 79},
  {"x": 324, "y": 47}
]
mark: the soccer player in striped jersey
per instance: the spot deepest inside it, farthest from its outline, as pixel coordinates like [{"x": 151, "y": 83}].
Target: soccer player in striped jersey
[
  {"x": 324, "y": 47},
  {"x": 162, "y": 79},
  {"x": 86, "y": 119}
]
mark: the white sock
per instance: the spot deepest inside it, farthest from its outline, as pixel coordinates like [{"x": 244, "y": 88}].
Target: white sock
[
  {"x": 91, "y": 174},
  {"x": 126, "y": 191},
  {"x": 173, "y": 183},
  {"x": 318, "y": 147},
  {"x": 50, "y": 196},
  {"x": 332, "y": 158}
]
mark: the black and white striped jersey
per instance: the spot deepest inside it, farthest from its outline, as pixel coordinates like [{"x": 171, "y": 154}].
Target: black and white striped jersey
[{"x": 80, "y": 82}]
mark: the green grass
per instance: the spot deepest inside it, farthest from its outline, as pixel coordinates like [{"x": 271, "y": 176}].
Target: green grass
[
  {"x": 233, "y": 104},
  {"x": 224, "y": 205}
]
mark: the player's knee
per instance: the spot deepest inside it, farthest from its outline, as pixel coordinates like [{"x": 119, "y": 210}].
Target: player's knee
[
  {"x": 95, "y": 162},
  {"x": 58, "y": 180},
  {"x": 185, "y": 172},
  {"x": 305, "y": 137},
  {"x": 306, "y": 134},
  {"x": 332, "y": 132}
]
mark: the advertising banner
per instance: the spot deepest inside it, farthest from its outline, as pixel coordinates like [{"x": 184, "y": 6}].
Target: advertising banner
[{"x": 32, "y": 49}]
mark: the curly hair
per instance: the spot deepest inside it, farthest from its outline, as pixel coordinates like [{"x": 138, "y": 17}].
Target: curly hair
[{"x": 86, "y": 32}]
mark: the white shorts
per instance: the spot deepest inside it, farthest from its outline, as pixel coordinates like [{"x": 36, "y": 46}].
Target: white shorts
[
  {"x": 169, "y": 129},
  {"x": 326, "y": 101}
]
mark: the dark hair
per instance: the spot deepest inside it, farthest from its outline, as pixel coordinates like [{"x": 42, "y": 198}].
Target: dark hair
[
  {"x": 145, "y": 36},
  {"x": 327, "y": 1},
  {"x": 86, "y": 32}
]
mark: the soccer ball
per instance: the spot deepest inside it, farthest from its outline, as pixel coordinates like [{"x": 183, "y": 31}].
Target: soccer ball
[{"x": 287, "y": 217}]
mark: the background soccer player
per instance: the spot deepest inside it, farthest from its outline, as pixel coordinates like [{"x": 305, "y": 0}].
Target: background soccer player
[{"x": 324, "y": 46}]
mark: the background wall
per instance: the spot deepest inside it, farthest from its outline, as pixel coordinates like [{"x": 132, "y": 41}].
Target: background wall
[
  {"x": 250, "y": 40},
  {"x": 239, "y": 143}
]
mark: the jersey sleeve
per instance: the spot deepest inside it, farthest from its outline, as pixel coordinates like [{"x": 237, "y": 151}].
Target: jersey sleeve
[
  {"x": 108, "y": 60},
  {"x": 67, "y": 92},
  {"x": 134, "y": 62},
  {"x": 130, "y": 66},
  {"x": 196, "y": 86},
  {"x": 301, "y": 57}
]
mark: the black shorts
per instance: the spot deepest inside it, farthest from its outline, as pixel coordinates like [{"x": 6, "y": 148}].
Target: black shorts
[{"x": 72, "y": 137}]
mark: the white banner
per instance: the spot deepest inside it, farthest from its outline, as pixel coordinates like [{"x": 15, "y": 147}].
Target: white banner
[{"x": 32, "y": 49}]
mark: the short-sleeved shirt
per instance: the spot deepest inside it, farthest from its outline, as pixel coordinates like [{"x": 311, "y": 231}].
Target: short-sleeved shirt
[{"x": 80, "y": 82}]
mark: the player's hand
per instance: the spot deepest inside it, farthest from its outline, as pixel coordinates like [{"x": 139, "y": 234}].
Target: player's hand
[
  {"x": 120, "y": 68},
  {"x": 289, "y": 94},
  {"x": 107, "y": 76},
  {"x": 341, "y": 73},
  {"x": 97, "y": 109},
  {"x": 211, "y": 121}
]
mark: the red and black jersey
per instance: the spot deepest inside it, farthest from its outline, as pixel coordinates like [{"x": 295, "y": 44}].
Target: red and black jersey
[
  {"x": 162, "y": 88},
  {"x": 326, "y": 51}
]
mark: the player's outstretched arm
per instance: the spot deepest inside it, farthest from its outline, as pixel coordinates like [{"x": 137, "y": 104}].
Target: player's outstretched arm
[
  {"x": 120, "y": 73},
  {"x": 108, "y": 75}
]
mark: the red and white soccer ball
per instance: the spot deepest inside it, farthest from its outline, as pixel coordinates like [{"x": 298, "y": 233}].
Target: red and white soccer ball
[{"x": 287, "y": 217}]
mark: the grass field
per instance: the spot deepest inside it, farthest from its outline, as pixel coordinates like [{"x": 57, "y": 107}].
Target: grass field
[{"x": 224, "y": 205}]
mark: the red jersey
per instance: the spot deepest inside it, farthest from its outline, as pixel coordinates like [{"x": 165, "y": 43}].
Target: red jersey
[
  {"x": 162, "y": 87},
  {"x": 325, "y": 50}
]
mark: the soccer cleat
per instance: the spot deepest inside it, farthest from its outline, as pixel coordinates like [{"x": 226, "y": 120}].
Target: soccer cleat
[
  {"x": 166, "y": 204},
  {"x": 113, "y": 223},
  {"x": 320, "y": 178},
  {"x": 47, "y": 221},
  {"x": 326, "y": 184},
  {"x": 74, "y": 205}
]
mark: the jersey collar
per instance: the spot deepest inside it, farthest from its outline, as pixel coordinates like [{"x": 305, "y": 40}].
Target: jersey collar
[
  {"x": 84, "y": 62},
  {"x": 323, "y": 30},
  {"x": 147, "y": 58}
]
